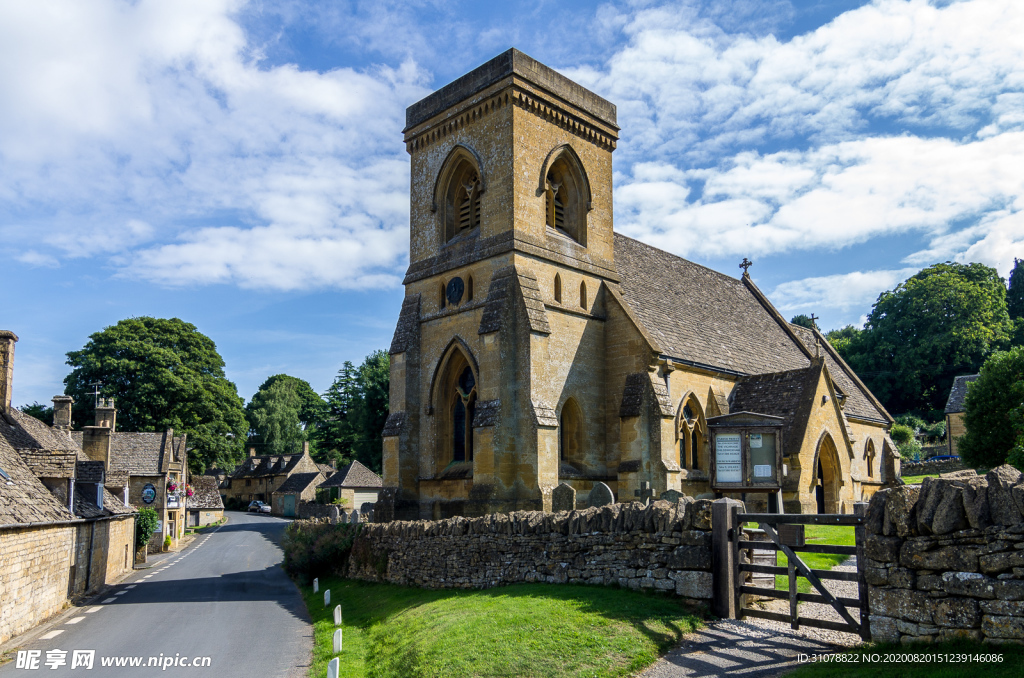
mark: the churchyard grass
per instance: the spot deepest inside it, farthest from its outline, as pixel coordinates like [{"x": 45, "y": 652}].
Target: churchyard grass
[
  {"x": 524, "y": 630},
  {"x": 917, "y": 480},
  {"x": 996, "y": 661},
  {"x": 817, "y": 534}
]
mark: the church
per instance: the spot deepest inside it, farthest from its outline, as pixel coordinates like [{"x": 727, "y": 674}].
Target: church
[{"x": 535, "y": 346}]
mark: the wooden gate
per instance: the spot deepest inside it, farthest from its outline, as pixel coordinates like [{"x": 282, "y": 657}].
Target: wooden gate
[{"x": 770, "y": 522}]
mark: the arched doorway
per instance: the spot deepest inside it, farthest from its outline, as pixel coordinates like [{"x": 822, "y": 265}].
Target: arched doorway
[{"x": 827, "y": 476}]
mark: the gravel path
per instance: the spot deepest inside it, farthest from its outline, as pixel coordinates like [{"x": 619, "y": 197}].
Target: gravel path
[{"x": 759, "y": 648}]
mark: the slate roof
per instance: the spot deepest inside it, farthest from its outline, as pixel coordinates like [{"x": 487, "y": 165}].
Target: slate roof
[
  {"x": 958, "y": 392},
  {"x": 701, "y": 316},
  {"x": 298, "y": 482},
  {"x": 85, "y": 504},
  {"x": 354, "y": 475},
  {"x": 205, "y": 493},
  {"x": 26, "y": 499},
  {"x": 49, "y": 452},
  {"x": 781, "y": 394},
  {"x": 137, "y": 454},
  {"x": 267, "y": 465},
  {"x": 858, "y": 402}
]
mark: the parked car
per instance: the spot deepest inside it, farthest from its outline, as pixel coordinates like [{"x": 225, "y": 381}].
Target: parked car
[{"x": 259, "y": 507}]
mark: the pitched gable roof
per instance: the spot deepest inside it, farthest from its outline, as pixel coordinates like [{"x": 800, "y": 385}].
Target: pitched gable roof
[
  {"x": 958, "y": 392},
  {"x": 49, "y": 452},
  {"x": 267, "y": 465},
  {"x": 25, "y": 499},
  {"x": 789, "y": 395},
  {"x": 205, "y": 493},
  {"x": 700, "y": 316},
  {"x": 859, "y": 401},
  {"x": 138, "y": 453},
  {"x": 354, "y": 475},
  {"x": 298, "y": 482}
]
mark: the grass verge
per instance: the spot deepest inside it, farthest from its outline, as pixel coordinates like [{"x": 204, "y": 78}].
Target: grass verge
[
  {"x": 525, "y": 630},
  {"x": 884, "y": 660},
  {"x": 817, "y": 534}
]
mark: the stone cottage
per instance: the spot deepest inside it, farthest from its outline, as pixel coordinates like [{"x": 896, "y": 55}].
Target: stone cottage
[
  {"x": 63, "y": 533},
  {"x": 354, "y": 484},
  {"x": 298, "y": 488},
  {"x": 152, "y": 468},
  {"x": 536, "y": 346},
  {"x": 259, "y": 476},
  {"x": 955, "y": 411},
  {"x": 205, "y": 505}
]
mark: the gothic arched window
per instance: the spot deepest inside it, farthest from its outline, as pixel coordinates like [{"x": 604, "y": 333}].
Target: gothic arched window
[
  {"x": 457, "y": 193},
  {"x": 869, "y": 457},
  {"x": 558, "y": 288},
  {"x": 567, "y": 196},
  {"x": 463, "y": 404},
  {"x": 691, "y": 434},
  {"x": 570, "y": 428}
]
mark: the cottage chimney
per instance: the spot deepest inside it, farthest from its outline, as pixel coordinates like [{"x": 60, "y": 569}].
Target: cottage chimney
[
  {"x": 62, "y": 411},
  {"x": 7, "y": 341},
  {"x": 305, "y": 447},
  {"x": 106, "y": 415},
  {"x": 96, "y": 444}
]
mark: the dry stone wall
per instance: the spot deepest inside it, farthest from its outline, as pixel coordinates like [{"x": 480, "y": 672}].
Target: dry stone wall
[
  {"x": 661, "y": 546},
  {"x": 946, "y": 558},
  {"x": 920, "y": 468}
]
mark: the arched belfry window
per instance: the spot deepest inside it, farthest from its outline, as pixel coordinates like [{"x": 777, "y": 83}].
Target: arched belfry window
[
  {"x": 566, "y": 194},
  {"x": 463, "y": 404},
  {"x": 457, "y": 193},
  {"x": 692, "y": 430},
  {"x": 570, "y": 428}
]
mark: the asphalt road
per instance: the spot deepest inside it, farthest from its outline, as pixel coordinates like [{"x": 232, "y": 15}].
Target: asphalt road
[{"x": 224, "y": 597}]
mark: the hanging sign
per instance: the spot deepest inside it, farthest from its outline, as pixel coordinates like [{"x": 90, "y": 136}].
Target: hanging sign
[{"x": 148, "y": 493}]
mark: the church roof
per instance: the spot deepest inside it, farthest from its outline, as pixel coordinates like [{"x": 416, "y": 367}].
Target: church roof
[
  {"x": 782, "y": 394},
  {"x": 958, "y": 392},
  {"x": 859, "y": 402},
  {"x": 701, "y": 316}
]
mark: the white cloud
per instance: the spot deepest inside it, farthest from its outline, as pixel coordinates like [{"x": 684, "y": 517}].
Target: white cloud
[
  {"x": 34, "y": 258},
  {"x": 155, "y": 122},
  {"x": 841, "y": 292}
]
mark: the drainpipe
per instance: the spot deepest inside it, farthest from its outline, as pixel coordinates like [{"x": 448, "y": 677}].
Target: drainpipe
[{"x": 88, "y": 565}]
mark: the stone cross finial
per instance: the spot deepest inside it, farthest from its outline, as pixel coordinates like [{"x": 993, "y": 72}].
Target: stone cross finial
[
  {"x": 745, "y": 264},
  {"x": 644, "y": 493},
  {"x": 814, "y": 321}
]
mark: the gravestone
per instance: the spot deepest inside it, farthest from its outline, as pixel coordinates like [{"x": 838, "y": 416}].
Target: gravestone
[
  {"x": 337, "y": 641},
  {"x": 327, "y": 597},
  {"x": 384, "y": 510},
  {"x": 366, "y": 510},
  {"x": 673, "y": 496},
  {"x": 644, "y": 493},
  {"x": 353, "y": 517},
  {"x": 601, "y": 495},
  {"x": 563, "y": 498},
  {"x": 332, "y": 668},
  {"x": 333, "y": 514},
  {"x": 316, "y": 586},
  {"x": 337, "y": 615}
]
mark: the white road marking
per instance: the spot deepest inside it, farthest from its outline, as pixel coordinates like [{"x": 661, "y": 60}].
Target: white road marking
[
  {"x": 131, "y": 586},
  {"x": 108, "y": 600},
  {"x": 120, "y": 593},
  {"x": 75, "y": 620},
  {"x": 92, "y": 609},
  {"x": 51, "y": 634}
]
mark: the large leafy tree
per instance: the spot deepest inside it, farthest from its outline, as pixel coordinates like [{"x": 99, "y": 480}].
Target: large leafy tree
[
  {"x": 803, "y": 321},
  {"x": 357, "y": 409},
  {"x": 943, "y": 321},
  {"x": 284, "y": 413},
  {"x": 1015, "y": 295},
  {"x": 992, "y": 409},
  {"x": 162, "y": 373}
]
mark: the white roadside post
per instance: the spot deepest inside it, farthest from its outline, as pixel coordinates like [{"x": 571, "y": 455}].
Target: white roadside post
[
  {"x": 337, "y": 641},
  {"x": 327, "y": 597},
  {"x": 332, "y": 668},
  {"x": 337, "y": 615},
  {"x": 316, "y": 586}
]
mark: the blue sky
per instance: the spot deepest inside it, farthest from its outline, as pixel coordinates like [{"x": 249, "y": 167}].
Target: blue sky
[{"x": 240, "y": 164}]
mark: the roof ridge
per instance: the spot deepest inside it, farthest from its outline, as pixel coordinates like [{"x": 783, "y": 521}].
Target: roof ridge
[{"x": 724, "y": 276}]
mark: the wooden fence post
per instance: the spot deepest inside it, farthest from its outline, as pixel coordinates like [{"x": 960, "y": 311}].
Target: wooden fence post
[{"x": 725, "y": 603}]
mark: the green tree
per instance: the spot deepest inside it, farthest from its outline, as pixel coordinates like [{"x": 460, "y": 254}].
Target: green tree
[
  {"x": 847, "y": 341},
  {"x": 162, "y": 374},
  {"x": 145, "y": 526},
  {"x": 284, "y": 413},
  {"x": 803, "y": 321},
  {"x": 40, "y": 411},
  {"x": 989, "y": 409},
  {"x": 1015, "y": 294},
  {"x": 357, "y": 404},
  {"x": 943, "y": 321}
]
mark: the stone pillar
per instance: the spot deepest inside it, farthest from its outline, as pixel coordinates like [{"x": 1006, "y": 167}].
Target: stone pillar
[{"x": 725, "y": 575}]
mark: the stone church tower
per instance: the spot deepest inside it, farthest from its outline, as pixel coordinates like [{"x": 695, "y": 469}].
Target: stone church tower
[{"x": 527, "y": 354}]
